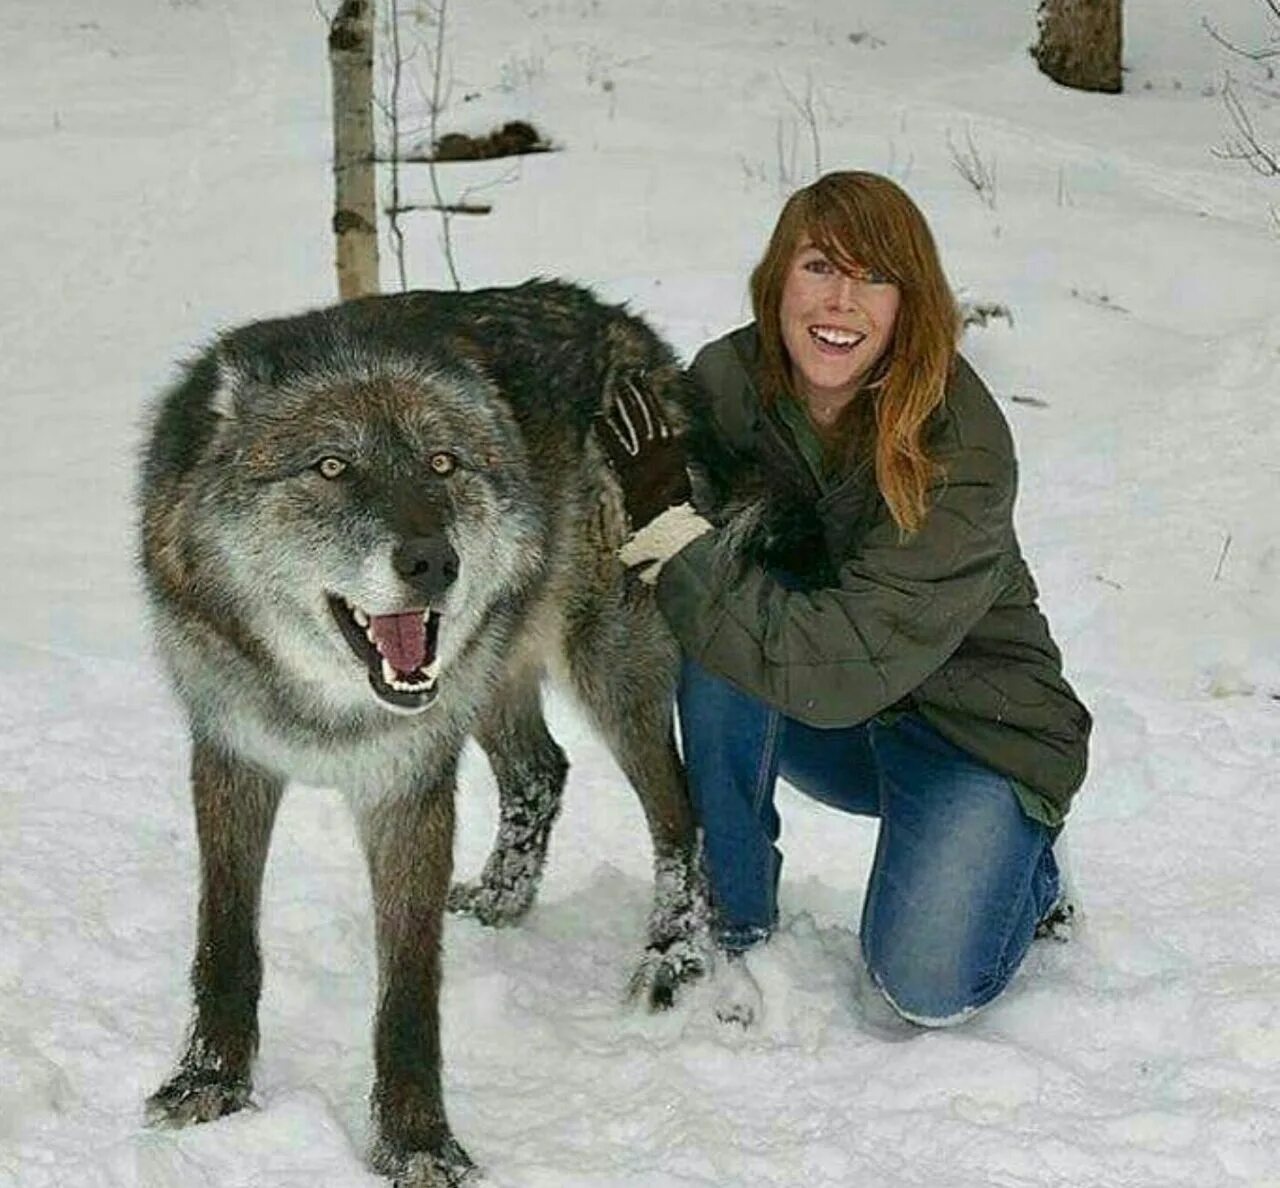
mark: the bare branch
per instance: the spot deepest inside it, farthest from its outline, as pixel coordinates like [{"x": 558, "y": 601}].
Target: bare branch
[
  {"x": 465, "y": 208},
  {"x": 509, "y": 175},
  {"x": 1226, "y": 545},
  {"x": 786, "y": 158},
  {"x": 1245, "y": 145},
  {"x": 393, "y": 121},
  {"x": 980, "y": 174},
  {"x": 437, "y": 69},
  {"x": 396, "y": 61},
  {"x": 1254, "y": 55},
  {"x": 808, "y": 117}
]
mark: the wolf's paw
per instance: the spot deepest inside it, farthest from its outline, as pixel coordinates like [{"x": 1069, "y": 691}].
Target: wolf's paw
[
  {"x": 449, "y": 1167},
  {"x": 680, "y": 950},
  {"x": 664, "y": 971},
  {"x": 426, "y": 1171},
  {"x": 1059, "y": 924},
  {"x": 496, "y": 906},
  {"x": 196, "y": 1095}
]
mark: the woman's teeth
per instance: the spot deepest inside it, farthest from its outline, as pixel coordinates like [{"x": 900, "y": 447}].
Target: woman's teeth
[{"x": 832, "y": 337}]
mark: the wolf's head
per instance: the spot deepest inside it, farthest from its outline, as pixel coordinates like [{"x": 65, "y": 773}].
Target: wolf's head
[{"x": 352, "y": 513}]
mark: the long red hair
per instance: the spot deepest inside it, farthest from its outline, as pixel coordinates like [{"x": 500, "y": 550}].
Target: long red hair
[{"x": 864, "y": 220}]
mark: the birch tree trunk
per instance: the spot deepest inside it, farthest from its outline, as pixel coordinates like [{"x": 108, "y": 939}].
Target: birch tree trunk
[
  {"x": 355, "y": 195},
  {"x": 1080, "y": 43}
]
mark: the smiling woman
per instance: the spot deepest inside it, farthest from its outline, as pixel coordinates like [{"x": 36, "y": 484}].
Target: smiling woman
[
  {"x": 879, "y": 645},
  {"x": 836, "y": 324},
  {"x": 852, "y": 258}
]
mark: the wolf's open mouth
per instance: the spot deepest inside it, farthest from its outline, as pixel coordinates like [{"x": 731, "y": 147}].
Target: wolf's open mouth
[{"x": 399, "y": 651}]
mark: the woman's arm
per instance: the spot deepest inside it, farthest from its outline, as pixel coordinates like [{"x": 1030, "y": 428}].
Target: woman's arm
[{"x": 839, "y": 655}]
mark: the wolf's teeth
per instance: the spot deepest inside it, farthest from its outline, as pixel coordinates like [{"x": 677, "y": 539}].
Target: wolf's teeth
[
  {"x": 432, "y": 670},
  {"x": 362, "y": 620},
  {"x": 412, "y": 686},
  {"x": 393, "y": 679}
]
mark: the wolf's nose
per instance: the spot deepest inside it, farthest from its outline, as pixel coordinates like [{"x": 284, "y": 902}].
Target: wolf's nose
[{"x": 428, "y": 563}]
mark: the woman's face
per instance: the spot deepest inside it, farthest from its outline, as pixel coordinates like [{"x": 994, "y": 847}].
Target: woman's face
[{"x": 835, "y": 325}]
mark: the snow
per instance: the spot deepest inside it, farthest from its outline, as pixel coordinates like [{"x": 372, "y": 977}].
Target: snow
[{"x": 166, "y": 174}]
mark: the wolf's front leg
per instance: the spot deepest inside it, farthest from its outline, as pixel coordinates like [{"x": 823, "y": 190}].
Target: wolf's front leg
[
  {"x": 235, "y": 806},
  {"x": 624, "y": 667},
  {"x": 408, "y": 839},
  {"x": 679, "y": 949}
]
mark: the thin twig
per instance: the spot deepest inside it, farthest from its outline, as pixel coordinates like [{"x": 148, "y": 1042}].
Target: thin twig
[
  {"x": 1226, "y": 544},
  {"x": 980, "y": 174},
  {"x": 1064, "y": 197},
  {"x": 465, "y": 208},
  {"x": 809, "y": 117},
  {"x": 393, "y": 119},
  {"x": 1245, "y": 146},
  {"x": 786, "y": 158},
  {"x": 437, "y": 70},
  {"x": 1257, "y": 55}
]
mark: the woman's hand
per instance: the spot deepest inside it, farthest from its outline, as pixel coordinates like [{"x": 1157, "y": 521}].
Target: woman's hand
[{"x": 648, "y": 458}]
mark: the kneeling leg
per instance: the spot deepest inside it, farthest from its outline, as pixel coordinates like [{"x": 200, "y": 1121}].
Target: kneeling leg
[{"x": 960, "y": 879}]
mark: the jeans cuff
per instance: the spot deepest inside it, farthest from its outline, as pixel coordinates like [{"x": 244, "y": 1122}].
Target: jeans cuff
[{"x": 738, "y": 938}]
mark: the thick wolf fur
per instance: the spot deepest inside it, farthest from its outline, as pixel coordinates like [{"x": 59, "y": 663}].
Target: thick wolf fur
[{"x": 248, "y": 537}]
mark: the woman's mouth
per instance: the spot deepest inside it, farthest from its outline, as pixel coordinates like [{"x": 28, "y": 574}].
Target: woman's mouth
[{"x": 834, "y": 340}]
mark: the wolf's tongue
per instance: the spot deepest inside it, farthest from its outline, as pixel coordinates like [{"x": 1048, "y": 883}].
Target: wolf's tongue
[{"x": 402, "y": 639}]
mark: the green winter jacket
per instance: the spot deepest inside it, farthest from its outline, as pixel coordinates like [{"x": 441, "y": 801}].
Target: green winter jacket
[{"x": 944, "y": 623}]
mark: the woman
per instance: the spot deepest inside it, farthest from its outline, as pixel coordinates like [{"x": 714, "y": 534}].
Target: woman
[{"x": 893, "y": 663}]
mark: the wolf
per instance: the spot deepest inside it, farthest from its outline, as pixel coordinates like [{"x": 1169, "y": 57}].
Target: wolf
[{"x": 366, "y": 533}]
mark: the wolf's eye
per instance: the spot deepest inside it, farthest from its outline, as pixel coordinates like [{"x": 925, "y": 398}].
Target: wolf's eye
[
  {"x": 331, "y": 468},
  {"x": 443, "y": 462}
]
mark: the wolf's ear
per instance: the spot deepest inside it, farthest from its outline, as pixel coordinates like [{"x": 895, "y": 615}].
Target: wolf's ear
[
  {"x": 231, "y": 378},
  {"x": 471, "y": 353}
]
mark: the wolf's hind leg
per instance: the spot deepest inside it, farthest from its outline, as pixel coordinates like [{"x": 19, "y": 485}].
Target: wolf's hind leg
[
  {"x": 530, "y": 769},
  {"x": 235, "y": 807},
  {"x": 626, "y": 676}
]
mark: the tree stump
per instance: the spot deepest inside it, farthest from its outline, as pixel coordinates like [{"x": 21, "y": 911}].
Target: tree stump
[{"x": 1080, "y": 43}]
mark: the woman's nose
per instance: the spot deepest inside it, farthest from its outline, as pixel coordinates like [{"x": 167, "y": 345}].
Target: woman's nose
[{"x": 844, "y": 293}]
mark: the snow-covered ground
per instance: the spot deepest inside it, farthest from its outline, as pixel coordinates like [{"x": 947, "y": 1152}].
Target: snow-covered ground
[{"x": 165, "y": 174}]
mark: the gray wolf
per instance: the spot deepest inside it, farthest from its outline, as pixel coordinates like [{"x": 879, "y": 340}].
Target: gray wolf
[{"x": 366, "y": 533}]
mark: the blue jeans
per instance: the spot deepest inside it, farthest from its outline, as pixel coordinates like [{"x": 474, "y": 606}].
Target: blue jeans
[{"x": 961, "y": 875}]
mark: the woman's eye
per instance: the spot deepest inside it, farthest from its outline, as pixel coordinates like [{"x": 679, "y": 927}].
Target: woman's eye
[
  {"x": 819, "y": 266},
  {"x": 331, "y": 468},
  {"x": 443, "y": 462},
  {"x": 868, "y": 276}
]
